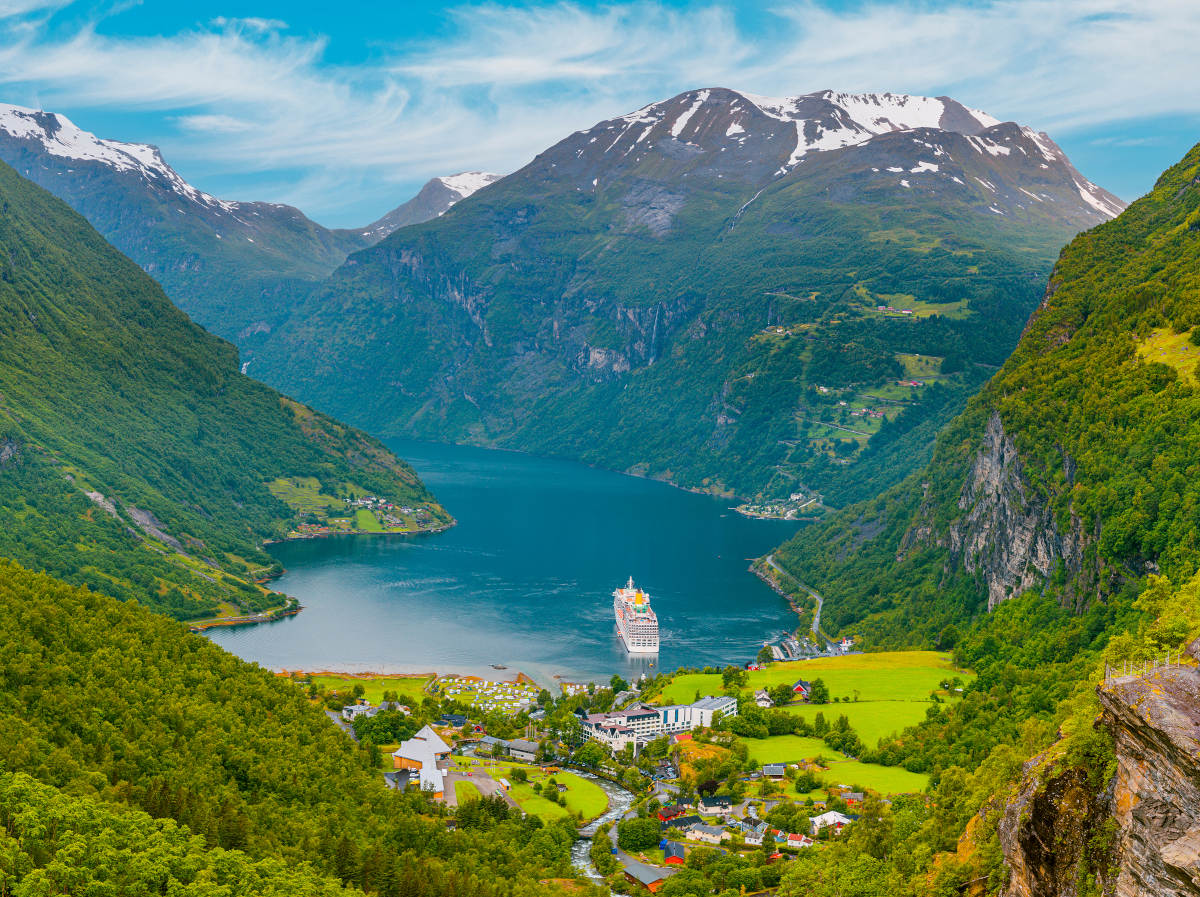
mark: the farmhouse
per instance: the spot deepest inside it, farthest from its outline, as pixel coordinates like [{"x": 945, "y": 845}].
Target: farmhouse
[
  {"x": 832, "y": 818},
  {"x": 775, "y": 771},
  {"x": 709, "y": 834},
  {"x": 674, "y": 854},
  {"x": 802, "y": 688},
  {"x": 762, "y": 699},
  {"x": 718, "y": 803}
]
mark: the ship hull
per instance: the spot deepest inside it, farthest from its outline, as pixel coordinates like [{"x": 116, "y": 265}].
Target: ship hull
[{"x": 635, "y": 649}]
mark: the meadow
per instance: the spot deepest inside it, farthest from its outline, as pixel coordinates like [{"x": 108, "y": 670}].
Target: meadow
[
  {"x": 840, "y": 771},
  {"x": 882, "y": 676},
  {"x": 582, "y": 795},
  {"x": 411, "y": 689}
]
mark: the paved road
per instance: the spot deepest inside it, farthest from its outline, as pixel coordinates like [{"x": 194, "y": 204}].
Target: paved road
[{"x": 816, "y": 623}]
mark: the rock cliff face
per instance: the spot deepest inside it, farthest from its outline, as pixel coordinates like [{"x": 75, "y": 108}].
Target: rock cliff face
[
  {"x": 1156, "y": 796},
  {"x": 1007, "y": 532},
  {"x": 1049, "y": 832},
  {"x": 1139, "y": 836}
]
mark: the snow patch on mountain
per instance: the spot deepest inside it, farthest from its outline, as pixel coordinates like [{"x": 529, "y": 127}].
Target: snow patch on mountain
[
  {"x": 59, "y": 136},
  {"x": 467, "y": 182},
  {"x": 681, "y": 122}
]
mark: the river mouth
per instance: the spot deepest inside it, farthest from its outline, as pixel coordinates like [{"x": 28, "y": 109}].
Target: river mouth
[{"x": 525, "y": 579}]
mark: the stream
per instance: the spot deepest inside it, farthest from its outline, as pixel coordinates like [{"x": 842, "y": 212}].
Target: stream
[{"x": 619, "y": 802}]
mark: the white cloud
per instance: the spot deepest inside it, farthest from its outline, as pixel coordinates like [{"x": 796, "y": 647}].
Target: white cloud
[{"x": 241, "y": 95}]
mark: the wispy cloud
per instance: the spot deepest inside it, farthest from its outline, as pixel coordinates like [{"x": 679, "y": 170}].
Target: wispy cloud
[{"x": 503, "y": 82}]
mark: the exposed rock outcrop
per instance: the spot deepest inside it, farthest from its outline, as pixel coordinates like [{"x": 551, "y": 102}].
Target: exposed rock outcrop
[
  {"x": 1138, "y": 834},
  {"x": 1008, "y": 534},
  {"x": 1156, "y": 796},
  {"x": 1049, "y": 832}
]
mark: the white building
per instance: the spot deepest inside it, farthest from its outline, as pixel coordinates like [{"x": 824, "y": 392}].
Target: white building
[
  {"x": 833, "y": 817},
  {"x": 642, "y": 722},
  {"x": 421, "y": 754}
]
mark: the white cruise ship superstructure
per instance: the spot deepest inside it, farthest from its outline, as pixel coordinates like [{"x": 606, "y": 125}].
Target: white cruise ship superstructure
[{"x": 636, "y": 623}]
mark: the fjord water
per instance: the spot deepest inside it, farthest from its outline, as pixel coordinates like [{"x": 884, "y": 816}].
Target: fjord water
[{"x": 525, "y": 579}]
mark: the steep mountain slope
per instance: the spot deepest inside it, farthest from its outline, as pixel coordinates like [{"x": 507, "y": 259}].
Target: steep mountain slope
[
  {"x": 722, "y": 290},
  {"x": 235, "y": 267},
  {"x": 1073, "y": 472},
  {"x": 127, "y": 714},
  {"x": 133, "y": 455},
  {"x": 433, "y": 200}
]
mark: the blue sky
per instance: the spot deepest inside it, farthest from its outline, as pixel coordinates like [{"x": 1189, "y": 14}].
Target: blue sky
[{"x": 346, "y": 113}]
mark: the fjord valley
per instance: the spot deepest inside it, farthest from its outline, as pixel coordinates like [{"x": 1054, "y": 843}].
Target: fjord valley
[
  {"x": 136, "y": 459},
  {"x": 750, "y": 296},
  {"x": 826, "y": 296}
]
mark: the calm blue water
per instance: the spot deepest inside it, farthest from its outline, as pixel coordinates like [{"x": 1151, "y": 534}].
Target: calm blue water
[{"x": 525, "y": 580}]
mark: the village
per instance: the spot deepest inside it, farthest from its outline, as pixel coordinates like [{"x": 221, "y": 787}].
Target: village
[{"x": 704, "y": 774}]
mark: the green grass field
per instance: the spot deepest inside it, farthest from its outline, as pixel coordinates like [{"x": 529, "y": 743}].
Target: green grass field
[
  {"x": 883, "y": 676},
  {"x": 465, "y": 791},
  {"x": 411, "y": 689},
  {"x": 884, "y": 779},
  {"x": 303, "y": 494},
  {"x": 793, "y": 748},
  {"x": 367, "y": 521},
  {"x": 582, "y": 796},
  {"x": 1166, "y": 346},
  {"x": 788, "y": 749},
  {"x": 920, "y": 367},
  {"x": 872, "y": 720}
]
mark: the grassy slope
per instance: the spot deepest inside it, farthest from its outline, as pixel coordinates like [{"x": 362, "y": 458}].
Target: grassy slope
[
  {"x": 887, "y": 676},
  {"x": 106, "y": 387}
]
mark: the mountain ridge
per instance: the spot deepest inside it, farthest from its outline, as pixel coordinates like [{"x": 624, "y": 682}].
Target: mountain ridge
[
  {"x": 613, "y": 278},
  {"x": 134, "y": 457}
]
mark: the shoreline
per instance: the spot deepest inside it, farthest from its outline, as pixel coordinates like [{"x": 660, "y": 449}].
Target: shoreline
[{"x": 307, "y": 537}]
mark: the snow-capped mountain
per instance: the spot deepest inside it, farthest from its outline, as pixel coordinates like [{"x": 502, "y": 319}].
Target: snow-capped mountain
[
  {"x": 58, "y": 136},
  {"x": 608, "y": 300},
  {"x": 726, "y": 134},
  {"x": 236, "y": 267},
  {"x": 434, "y": 199}
]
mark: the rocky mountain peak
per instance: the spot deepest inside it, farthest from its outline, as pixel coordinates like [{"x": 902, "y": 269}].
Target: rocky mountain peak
[{"x": 434, "y": 199}]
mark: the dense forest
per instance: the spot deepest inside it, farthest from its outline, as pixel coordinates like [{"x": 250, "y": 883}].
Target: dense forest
[
  {"x": 134, "y": 456},
  {"x": 112, "y": 717}
]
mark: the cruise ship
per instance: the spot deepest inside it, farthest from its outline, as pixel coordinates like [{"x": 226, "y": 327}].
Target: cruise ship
[{"x": 636, "y": 623}]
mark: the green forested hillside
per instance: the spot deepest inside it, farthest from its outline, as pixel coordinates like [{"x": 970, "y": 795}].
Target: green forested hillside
[
  {"x": 113, "y": 705},
  {"x": 133, "y": 455},
  {"x": 699, "y": 306},
  {"x": 1088, "y": 440}
]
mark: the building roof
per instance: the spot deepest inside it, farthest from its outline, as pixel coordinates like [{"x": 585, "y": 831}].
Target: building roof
[
  {"x": 712, "y": 702},
  {"x": 520, "y": 744},
  {"x": 717, "y": 800},
  {"x": 647, "y": 875},
  {"x": 674, "y": 849},
  {"x": 714, "y": 830},
  {"x": 774, "y": 769},
  {"x": 833, "y": 817}
]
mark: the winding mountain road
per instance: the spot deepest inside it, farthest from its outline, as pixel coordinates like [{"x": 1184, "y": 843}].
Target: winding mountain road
[{"x": 816, "y": 623}]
